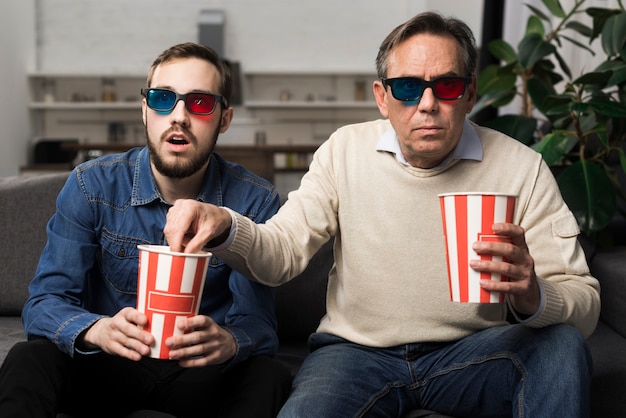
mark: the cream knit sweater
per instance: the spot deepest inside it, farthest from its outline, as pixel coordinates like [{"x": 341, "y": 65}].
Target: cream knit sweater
[{"x": 389, "y": 282}]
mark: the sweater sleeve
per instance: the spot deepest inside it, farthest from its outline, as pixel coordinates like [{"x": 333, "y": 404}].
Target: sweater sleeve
[
  {"x": 277, "y": 251},
  {"x": 572, "y": 295}
]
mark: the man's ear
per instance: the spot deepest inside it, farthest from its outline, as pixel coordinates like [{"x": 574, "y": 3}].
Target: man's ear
[
  {"x": 380, "y": 94},
  {"x": 471, "y": 93},
  {"x": 144, "y": 107},
  {"x": 226, "y": 119}
]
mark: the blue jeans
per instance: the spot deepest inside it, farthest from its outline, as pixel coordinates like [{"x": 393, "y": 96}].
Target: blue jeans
[{"x": 499, "y": 372}]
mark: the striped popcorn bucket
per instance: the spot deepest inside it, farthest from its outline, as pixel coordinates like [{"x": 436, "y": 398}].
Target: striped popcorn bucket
[
  {"x": 169, "y": 288},
  {"x": 467, "y": 218}
]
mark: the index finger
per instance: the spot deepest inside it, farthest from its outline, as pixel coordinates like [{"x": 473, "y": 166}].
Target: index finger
[
  {"x": 512, "y": 230},
  {"x": 177, "y": 226}
]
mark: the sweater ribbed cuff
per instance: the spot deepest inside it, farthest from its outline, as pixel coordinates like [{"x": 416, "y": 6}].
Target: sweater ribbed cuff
[{"x": 554, "y": 302}]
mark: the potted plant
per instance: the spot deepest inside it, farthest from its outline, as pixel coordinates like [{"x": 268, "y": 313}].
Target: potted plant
[{"x": 576, "y": 121}]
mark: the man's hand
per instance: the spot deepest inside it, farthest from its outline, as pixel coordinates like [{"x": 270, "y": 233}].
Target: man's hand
[
  {"x": 190, "y": 225},
  {"x": 518, "y": 265},
  {"x": 203, "y": 343},
  {"x": 121, "y": 335}
]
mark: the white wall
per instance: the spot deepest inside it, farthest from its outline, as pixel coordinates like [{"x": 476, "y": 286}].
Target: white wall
[
  {"x": 123, "y": 37},
  {"x": 17, "y": 46},
  {"x": 269, "y": 35}
]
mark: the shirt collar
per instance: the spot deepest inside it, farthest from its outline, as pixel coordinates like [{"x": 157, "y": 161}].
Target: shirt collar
[
  {"x": 468, "y": 148},
  {"x": 146, "y": 191}
]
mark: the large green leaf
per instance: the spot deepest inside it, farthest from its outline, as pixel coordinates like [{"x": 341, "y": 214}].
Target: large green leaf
[
  {"x": 608, "y": 108},
  {"x": 579, "y": 107},
  {"x": 588, "y": 122},
  {"x": 590, "y": 195},
  {"x": 502, "y": 50},
  {"x": 563, "y": 64},
  {"x": 619, "y": 72},
  {"x": 579, "y": 44},
  {"x": 600, "y": 15},
  {"x": 516, "y": 126},
  {"x": 537, "y": 12},
  {"x": 545, "y": 71},
  {"x": 602, "y": 136},
  {"x": 556, "y": 105},
  {"x": 622, "y": 158},
  {"x": 596, "y": 78},
  {"x": 554, "y": 146},
  {"x": 614, "y": 34},
  {"x": 579, "y": 27},
  {"x": 539, "y": 91},
  {"x": 534, "y": 25},
  {"x": 532, "y": 48},
  {"x": 494, "y": 78},
  {"x": 555, "y": 7},
  {"x": 494, "y": 98}
]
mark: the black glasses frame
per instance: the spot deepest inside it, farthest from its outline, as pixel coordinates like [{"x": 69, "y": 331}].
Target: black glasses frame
[
  {"x": 218, "y": 99},
  {"x": 426, "y": 84}
]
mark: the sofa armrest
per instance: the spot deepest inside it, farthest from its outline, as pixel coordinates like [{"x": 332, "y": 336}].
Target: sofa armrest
[
  {"x": 609, "y": 267},
  {"x": 26, "y": 205}
]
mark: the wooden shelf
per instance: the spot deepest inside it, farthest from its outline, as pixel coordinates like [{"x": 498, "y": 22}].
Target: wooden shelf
[
  {"x": 122, "y": 146},
  {"x": 257, "y": 158},
  {"x": 85, "y": 105},
  {"x": 303, "y": 104},
  {"x": 306, "y": 106}
]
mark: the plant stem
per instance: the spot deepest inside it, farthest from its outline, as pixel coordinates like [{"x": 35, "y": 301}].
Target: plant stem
[{"x": 553, "y": 34}]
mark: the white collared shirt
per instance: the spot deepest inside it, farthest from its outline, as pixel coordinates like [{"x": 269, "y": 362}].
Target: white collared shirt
[{"x": 468, "y": 148}]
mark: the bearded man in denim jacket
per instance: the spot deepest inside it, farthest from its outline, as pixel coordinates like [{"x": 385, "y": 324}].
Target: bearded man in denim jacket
[{"x": 87, "y": 352}]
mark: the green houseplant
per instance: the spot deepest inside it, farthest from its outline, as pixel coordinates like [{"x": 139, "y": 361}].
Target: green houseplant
[{"x": 576, "y": 121}]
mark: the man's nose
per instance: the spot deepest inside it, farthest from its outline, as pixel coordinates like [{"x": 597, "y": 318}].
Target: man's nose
[
  {"x": 428, "y": 101},
  {"x": 179, "y": 114}
]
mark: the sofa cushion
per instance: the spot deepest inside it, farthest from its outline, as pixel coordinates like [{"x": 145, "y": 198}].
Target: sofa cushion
[
  {"x": 26, "y": 205},
  {"x": 608, "y": 397},
  {"x": 11, "y": 332},
  {"x": 301, "y": 302},
  {"x": 608, "y": 267}
]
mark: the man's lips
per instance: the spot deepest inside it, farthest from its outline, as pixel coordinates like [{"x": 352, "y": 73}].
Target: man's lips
[
  {"x": 177, "y": 142},
  {"x": 428, "y": 129},
  {"x": 177, "y": 139}
]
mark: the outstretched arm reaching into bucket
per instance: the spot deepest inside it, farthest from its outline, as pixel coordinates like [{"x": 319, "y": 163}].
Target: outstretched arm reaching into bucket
[{"x": 191, "y": 225}]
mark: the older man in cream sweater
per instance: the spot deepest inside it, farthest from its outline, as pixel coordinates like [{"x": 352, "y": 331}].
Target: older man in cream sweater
[{"x": 391, "y": 339}]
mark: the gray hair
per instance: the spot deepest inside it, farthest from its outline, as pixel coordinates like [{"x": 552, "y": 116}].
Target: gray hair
[{"x": 435, "y": 24}]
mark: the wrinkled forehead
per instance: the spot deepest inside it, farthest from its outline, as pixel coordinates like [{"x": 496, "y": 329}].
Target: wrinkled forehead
[{"x": 426, "y": 56}]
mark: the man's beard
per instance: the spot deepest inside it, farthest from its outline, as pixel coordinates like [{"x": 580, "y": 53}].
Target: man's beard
[{"x": 181, "y": 168}]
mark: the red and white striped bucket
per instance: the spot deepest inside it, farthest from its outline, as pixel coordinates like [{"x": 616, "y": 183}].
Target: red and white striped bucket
[
  {"x": 169, "y": 288},
  {"x": 467, "y": 218}
]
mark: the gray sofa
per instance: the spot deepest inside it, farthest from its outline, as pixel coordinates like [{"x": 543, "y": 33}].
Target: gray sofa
[{"x": 26, "y": 204}]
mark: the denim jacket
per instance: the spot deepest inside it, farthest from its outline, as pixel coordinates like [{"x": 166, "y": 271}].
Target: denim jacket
[{"x": 88, "y": 268}]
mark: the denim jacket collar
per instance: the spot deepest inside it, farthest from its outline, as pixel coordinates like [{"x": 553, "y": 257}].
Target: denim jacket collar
[{"x": 145, "y": 189}]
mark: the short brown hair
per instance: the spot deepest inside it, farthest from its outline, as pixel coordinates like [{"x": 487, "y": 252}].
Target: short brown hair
[
  {"x": 193, "y": 50},
  {"x": 435, "y": 24}
]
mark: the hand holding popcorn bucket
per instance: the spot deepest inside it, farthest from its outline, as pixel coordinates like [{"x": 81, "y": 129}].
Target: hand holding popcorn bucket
[
  {"x": 169, "y": 288},
  {"x": 467, "y": 218}
]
